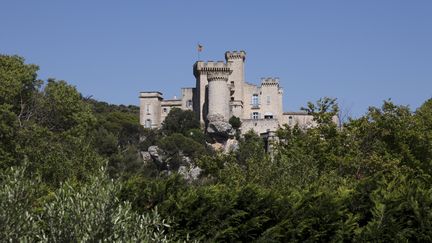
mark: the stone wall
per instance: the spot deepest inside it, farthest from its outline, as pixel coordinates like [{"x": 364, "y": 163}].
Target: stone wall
[
  {"x": 187, "y": 98},
  {"x": 301, "y": 118},
  {"x": 259, "y": 125}
]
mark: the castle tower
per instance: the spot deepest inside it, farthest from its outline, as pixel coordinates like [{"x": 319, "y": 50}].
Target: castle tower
[
  {"x": 201, "y": 96},
  {"x": 271, "y": 105},
  {"x": 150, "y": 109},
  {"x": 236, "y": 81},
  {"x": 218, "y": 94}
]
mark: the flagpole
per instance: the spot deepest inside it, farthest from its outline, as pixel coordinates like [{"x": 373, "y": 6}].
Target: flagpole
[{"x": 198, "y": 51}]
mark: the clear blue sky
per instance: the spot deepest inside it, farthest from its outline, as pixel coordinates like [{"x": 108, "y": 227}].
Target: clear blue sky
[{"x": 361, "y": 52}]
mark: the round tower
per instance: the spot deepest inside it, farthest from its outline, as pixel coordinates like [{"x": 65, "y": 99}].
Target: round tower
[{"x": 218, "y": 94}]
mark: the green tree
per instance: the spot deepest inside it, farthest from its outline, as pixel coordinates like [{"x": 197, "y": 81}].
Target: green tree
[
  {"x": 18, "y": 85},
  {"x": 235, "y": 122},
  {"x": 62, "y": 108},
  {"x": 179, "y": 121}
]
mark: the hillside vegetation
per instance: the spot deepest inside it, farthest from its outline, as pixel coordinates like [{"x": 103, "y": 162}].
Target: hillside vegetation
[{"x": 72, "y": 170}]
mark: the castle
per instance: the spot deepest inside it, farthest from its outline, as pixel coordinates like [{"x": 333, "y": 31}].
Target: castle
[{"x": 221, "y": 90}]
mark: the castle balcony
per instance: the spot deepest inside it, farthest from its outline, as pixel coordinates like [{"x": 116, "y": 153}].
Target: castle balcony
[{"x": 255, "y": 106}]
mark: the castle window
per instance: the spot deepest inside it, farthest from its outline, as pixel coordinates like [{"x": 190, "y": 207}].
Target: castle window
[
  {"x": 148, "y": 108},
  {"x": 290, "y": 120},
  {"x": 189, "y": 103},
  {"x": 147, "y": 123},
  {"x": 268, "y": 115},
  {"x": 268, "y": 100},
  {"x": 165, "y": 110},
  {"x": 255, "y": 100},
  {"x": 255, "y": 115}
]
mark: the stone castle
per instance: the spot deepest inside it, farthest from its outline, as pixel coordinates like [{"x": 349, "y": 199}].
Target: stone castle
[{"x": 221, "y": 90}]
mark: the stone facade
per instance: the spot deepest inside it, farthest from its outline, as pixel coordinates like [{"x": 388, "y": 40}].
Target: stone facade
[{"x": 221, "y": 89}]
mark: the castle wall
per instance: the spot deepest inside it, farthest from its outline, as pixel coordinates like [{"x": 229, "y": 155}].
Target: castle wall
[
  {"x": 248, "y": 91},
  {"x": 259, "y": 126},
  {"x": 302, "y": 119},
  {"x": 201, "y": 91},
  {"x": 167, "y": 106},
  {"x": 187, "y": 98},
  {"x": 236, "y": 108}
]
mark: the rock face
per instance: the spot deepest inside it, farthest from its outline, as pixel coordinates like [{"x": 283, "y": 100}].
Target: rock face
[
  {"x": 157, "y": 157},
  {"x": 218, "y": 128},
  {"x": 190, "y": 173},
  {"x": 231, "y": 145},
  {"x": 185, "y": 165},
  {"x": 146, "y": 157}
]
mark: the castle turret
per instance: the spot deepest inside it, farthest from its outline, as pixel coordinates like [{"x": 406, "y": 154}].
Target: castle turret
[
  {"x": 236, "y": 80},
  {"x": 218, "y": 94},
  {"x": 150, "y": 109},
  {"x": 204, "y": 71}
]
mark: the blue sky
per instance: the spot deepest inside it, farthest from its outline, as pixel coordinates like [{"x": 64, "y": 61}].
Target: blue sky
[{"x": 361, "y": 52}]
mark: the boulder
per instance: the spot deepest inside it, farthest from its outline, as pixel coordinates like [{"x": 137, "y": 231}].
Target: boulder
[
  {"x": 218, "y": 128},
  {"x": 157, "y": 157},
  {"x": 191, "y": 173},
  {"x": 231, "y": 145},
  {"x": 145, "y": 156}
]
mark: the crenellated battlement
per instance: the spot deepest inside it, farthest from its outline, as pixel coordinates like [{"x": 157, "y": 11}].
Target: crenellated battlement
[
  {"x": 230, "y": 55},
  {"x": 269, "y": 81},
  {"x": 218, "y": 75},
  {"x": 221, "y": 89},
  {"x": 201, "y": 67}
]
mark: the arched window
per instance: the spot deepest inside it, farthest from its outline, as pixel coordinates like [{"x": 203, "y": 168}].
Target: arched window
[
  {"x": 290, "y": 120},
  {"x": 147, "y": 123}
]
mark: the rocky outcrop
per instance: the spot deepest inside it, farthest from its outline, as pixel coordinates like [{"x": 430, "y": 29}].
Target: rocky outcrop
[
  {"x": 190, "y": 173},
  {"x": 158, "y": 157},
  {"x": 146, "y": 157},
  {"x": 218, "y": 128},
  {"x": 231, "y": 145},
  {"x": 166, "y": 165}
]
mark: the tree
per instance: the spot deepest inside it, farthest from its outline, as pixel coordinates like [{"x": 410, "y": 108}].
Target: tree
[
  {"x": 235, "y": 122},
  {"x": 94, "y": 204},
  {"x": 179, "y": 121},
  {"x": 63, "y": 108},
  {"x": 18, "y": 85},
  {"x": 323, "y": 111}
]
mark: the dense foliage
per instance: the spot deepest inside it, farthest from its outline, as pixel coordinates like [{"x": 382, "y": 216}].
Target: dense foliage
[{"x": 368, "y": 180}]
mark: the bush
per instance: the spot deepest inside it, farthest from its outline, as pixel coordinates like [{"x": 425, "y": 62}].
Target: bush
[
  {"x": 73, "y": 213},
  {"x": 235, "y": 122},
  {"x": 179, "y": 121}
]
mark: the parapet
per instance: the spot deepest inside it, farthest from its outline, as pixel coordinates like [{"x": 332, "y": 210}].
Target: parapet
[
  {"x": 211, "y": 66},
  {"x": 269, "y": 81},
  {"x": 151, "y": 94},
  {"x": 230, "y": 55},
  {"x": 218, "y": 76}
]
